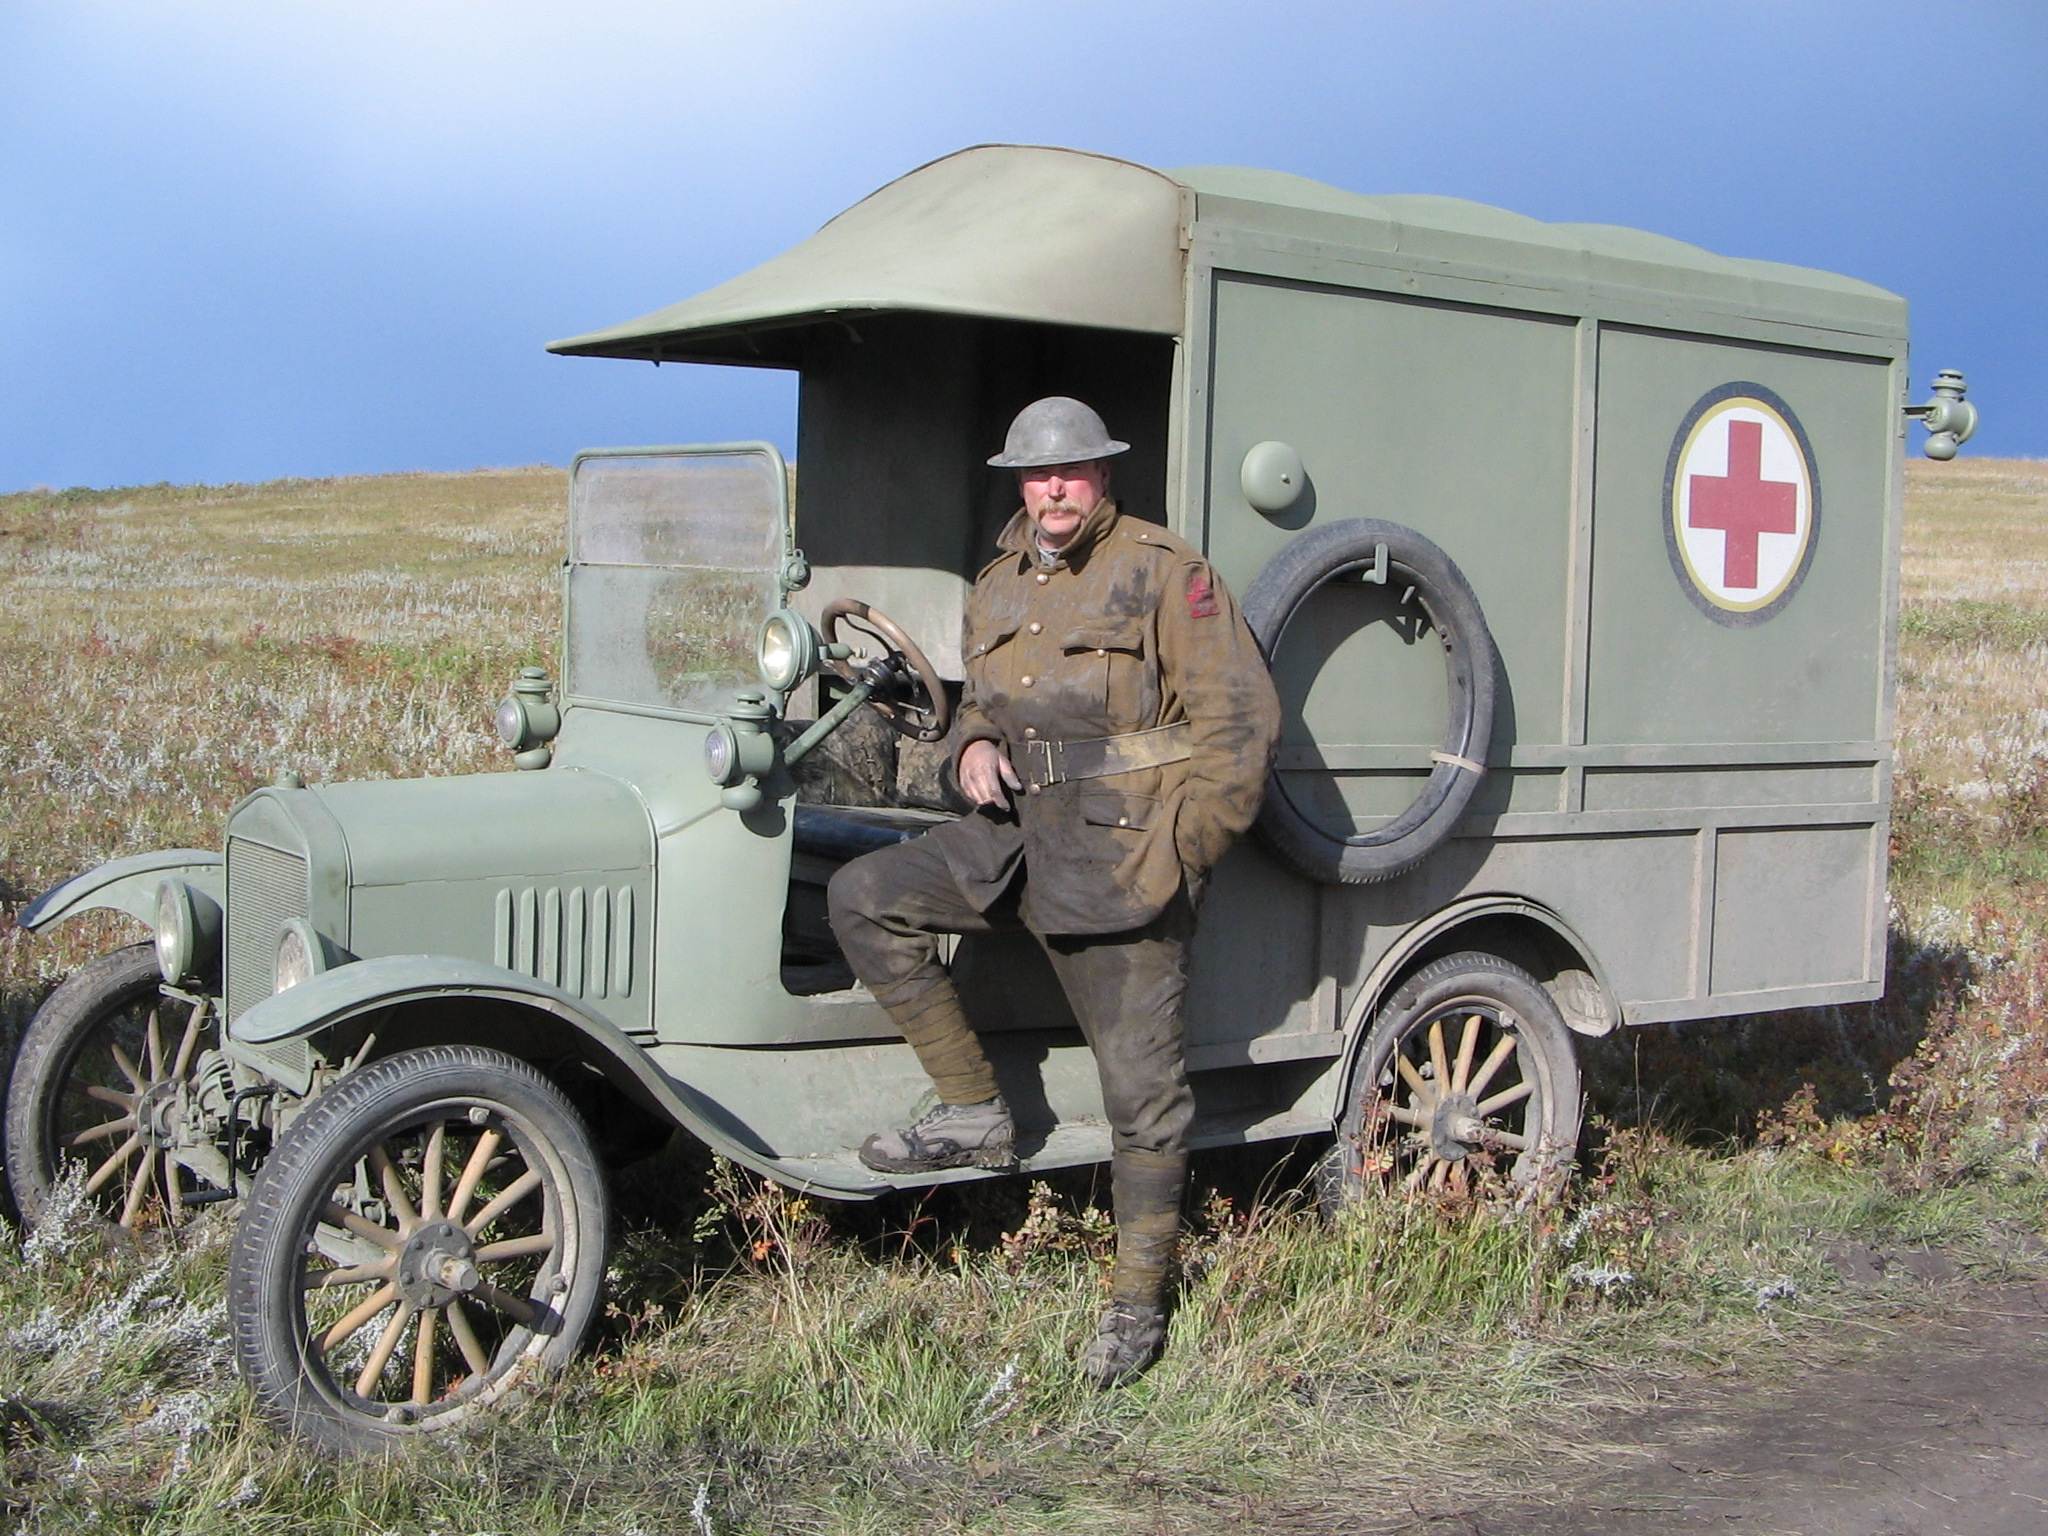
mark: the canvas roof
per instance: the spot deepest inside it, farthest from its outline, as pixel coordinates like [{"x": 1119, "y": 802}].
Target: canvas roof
[{"x": 987, "y": 232}]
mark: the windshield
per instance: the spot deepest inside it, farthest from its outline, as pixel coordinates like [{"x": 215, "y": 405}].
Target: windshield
[{"x": 675, "y": 556}]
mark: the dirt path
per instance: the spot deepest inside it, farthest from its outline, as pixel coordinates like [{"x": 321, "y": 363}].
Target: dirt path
[{"x": 1944, "y": 1433}]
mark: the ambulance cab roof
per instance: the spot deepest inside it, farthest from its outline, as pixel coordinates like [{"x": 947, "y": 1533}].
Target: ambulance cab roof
[{"x": 995, "y": 232}]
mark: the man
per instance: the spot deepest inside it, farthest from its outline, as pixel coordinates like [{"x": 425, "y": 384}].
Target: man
[{"x": 1116, "y": 729}]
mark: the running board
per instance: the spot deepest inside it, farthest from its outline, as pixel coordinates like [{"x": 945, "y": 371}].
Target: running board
[{"x": 842, "y": 1175}]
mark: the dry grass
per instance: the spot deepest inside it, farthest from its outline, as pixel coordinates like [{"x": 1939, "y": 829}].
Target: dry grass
[
  {"x": 174, "y": 647},
  {"x": 1975, "y": 532},
  {"x": 1973, "y": 682},
  {"x": 777, "y": 1365}
]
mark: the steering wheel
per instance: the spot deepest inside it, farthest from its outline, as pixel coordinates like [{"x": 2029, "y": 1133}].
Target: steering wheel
[{"x": 924, "y": 720}]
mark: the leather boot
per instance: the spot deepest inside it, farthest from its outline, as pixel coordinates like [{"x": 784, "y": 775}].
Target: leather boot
[
  {"x": 950, "y": 1136},
  {"x": 1148, "y": 1188},
  {"x": 1127, "y": 1340}
]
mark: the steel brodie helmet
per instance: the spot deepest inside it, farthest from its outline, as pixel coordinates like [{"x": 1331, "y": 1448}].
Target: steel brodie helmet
[{"x": 1056, "y": 430}]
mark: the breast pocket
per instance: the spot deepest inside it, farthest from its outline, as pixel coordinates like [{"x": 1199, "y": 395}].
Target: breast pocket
[
  {"x": 993, "y": 640},
  {"x": 1105, "y": 667}
]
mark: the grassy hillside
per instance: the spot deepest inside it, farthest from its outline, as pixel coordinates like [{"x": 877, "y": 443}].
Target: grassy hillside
[
  {"x": 174, "y": 646},
  {"x": 775, "y": 1364}
]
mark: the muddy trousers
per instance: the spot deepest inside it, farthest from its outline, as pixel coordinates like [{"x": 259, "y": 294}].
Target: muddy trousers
[{"x": 1126, "y": 989}]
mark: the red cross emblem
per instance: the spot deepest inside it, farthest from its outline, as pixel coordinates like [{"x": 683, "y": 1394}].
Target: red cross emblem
[{"x": 1743, "y": 504}]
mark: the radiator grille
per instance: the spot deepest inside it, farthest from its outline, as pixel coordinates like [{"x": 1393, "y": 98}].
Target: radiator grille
[
  {"x": 266, "y": 889},
  {"x": 579, "y": 939}
]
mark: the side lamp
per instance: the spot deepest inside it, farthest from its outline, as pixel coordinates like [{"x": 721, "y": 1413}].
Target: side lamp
[
  {"x": 1949, "y": 418},
  {"x": 528, "y": 720},
  {"x": 739, "y": 751}
]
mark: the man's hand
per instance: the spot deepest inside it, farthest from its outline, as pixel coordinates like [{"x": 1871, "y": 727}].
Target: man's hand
[{"x": 984, "y": 769}]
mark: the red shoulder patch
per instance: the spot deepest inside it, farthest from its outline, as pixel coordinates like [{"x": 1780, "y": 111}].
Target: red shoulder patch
[{"x": 1201, "y": 597}]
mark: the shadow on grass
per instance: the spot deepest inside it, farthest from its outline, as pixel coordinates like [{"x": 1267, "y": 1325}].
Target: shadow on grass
[
  {"x": 686, "y": 1218},
  {"x": 1718, "y": 1081}
]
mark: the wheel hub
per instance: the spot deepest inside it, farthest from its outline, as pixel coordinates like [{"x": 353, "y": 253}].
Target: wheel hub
[
  {"x": 437, "y": 1264},
  {"x": 156, "y": 1116},
  {"x": 1455, "y": 1129}
]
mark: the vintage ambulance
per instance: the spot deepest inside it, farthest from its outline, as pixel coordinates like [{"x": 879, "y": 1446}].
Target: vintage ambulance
[{"x": 1573, "y": 550}]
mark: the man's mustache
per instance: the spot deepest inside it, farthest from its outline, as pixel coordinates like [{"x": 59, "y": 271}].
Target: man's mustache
[{"x": 1059, "y": 504}]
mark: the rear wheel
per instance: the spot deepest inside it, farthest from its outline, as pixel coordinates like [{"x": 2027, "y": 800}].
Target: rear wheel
[
  {"x": 426, "y": 1240},
  {"x": 105, "y": 1084},
  {"x": 1466, "y": 1085}
]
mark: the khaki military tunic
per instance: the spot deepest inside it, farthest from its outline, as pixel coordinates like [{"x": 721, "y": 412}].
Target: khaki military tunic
[{"x": 1125, "y": 630}]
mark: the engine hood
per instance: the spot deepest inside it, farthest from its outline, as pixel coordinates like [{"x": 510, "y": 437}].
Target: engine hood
[
  {"x": 488, "y": 826},
  {"x": 546, "y": 873}
]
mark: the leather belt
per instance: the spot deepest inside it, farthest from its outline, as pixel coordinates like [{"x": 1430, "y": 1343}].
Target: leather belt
[{"x": 1055, "y": 762}]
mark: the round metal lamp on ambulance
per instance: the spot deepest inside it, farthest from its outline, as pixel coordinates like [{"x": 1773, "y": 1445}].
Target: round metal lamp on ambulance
[
  {"x": 187, "y": 933},
  {"x": 301, "y": 955},
  {"x": 528, "y": 719},
  {"x": 786, "y": 650}
]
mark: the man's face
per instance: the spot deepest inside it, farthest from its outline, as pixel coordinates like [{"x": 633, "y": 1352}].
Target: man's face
[{"x": 1060, "y": 497}]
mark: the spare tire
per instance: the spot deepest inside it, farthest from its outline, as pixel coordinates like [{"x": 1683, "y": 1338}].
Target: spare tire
[{"x": 1277, "y": 594}]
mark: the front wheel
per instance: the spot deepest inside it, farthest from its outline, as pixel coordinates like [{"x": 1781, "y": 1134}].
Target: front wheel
[
  {"x": 424, "y": 1241},
  {"x": 1466, "y": 1084},
  {"x": 112, "y": 1084}
]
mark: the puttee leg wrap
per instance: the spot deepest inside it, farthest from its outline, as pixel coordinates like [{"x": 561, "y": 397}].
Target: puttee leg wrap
[
  {"x": 946, "y": 1045},
  {"x": 1148, "y": 1188}
]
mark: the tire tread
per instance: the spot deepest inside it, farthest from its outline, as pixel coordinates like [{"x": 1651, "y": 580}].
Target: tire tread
[
  {"x": 1544, "y": 1023},
  {"x": 268, "y": 1362},
  {"x": 82, "y": 996}
]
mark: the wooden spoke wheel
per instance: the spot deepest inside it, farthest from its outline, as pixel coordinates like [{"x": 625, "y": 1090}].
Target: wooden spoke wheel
[
  {"x": 424, "y": 1241},
  {"x": 105, "y": 1087},
  {"x": 1466, "y": 1084}
]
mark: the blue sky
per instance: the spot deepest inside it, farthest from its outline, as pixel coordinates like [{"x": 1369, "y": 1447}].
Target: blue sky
[{"x": 243, "y": 240}]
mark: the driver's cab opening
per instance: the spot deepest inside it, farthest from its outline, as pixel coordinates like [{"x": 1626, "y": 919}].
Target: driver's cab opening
[{"x": 896, "y": 505}]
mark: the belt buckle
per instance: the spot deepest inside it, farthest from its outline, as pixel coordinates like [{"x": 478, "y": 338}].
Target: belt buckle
[{"x": 1041, "y": 764}]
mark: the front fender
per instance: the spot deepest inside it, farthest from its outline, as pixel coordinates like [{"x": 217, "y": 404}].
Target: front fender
[
  {"x": 393, "y": 981},
  {"x": 127, "y": 885}
]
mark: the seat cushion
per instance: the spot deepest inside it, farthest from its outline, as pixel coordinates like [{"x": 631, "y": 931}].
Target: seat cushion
[{"x": 842, "y": 832}]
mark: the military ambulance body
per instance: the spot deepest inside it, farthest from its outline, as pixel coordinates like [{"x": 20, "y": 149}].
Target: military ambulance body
[{"x": 1684, "y": 808}]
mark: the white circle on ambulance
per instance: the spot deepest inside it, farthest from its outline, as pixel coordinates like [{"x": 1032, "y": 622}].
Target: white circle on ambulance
[{"x": 1742, "y": 504}]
